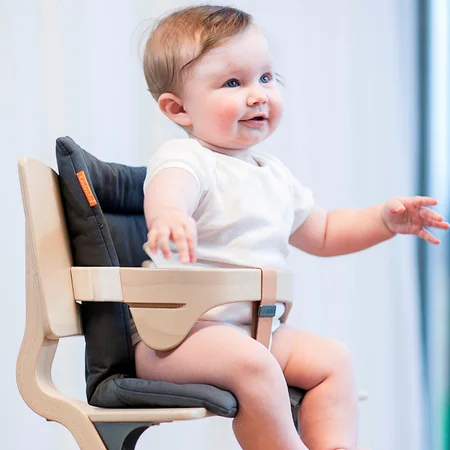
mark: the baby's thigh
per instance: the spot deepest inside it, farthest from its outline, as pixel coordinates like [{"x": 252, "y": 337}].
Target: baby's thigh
[
  {"x": 307, "y": 358},
  {"x": 212, "y": 353}
]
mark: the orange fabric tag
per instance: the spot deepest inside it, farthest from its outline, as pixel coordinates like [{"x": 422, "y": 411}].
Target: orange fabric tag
[{"x": 86, "y": 188}]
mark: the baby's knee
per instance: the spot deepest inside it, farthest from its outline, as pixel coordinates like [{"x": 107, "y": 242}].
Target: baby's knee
[
  {"x": 255, "y": 364},
  {"x": 339, "y": 358}
]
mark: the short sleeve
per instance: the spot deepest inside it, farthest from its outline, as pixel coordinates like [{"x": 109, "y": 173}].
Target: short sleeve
[
  {"x": 301, "y": 196},
  {"x": 185, "y": 154},
  {"x": 302, "y": 200}
]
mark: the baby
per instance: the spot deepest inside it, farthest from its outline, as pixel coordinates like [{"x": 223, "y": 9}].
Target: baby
[{"x": 213, "y": 200}]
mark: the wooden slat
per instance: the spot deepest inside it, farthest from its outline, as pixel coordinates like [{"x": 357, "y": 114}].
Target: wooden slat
[
  {"x": 102, "y": 284},
  {"x": 172, "y": 286},
  {"x": 209, "y": 287},
  {"x": 49, "y": 249},
  {"x": 157, "y": 415}
]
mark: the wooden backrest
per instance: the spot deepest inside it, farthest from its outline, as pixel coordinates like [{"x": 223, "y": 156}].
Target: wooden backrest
[{"x": 48, "y": 251}]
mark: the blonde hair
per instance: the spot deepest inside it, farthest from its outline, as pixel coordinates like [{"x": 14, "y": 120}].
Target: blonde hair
[{"x": 180, "y": 39}]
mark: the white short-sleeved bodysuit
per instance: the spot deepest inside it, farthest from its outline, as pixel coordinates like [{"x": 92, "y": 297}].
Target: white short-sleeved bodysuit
[{"x": 244, "y": 217}]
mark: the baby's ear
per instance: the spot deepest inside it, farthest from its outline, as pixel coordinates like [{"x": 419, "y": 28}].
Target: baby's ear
[{"x": 172, "y": 107}]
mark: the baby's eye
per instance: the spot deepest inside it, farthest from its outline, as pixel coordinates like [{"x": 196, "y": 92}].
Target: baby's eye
[
  {"x": 265, "y": 78},
  {"x": 232, "y": 83}
]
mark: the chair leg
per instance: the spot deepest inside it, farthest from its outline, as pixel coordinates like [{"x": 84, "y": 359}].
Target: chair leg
[{"x": 122, "y": 435}]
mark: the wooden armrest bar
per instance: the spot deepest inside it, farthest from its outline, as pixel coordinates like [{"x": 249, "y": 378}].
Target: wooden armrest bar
[
  {"x": 147, "y": 286},
  {"x": 173, "y": 286},
  {"x": 166, "y": 303}
]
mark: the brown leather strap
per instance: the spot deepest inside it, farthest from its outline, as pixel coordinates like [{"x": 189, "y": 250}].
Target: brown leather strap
[{"x": 266, "y": 308}]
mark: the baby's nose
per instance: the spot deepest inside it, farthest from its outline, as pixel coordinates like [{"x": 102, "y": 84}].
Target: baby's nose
[{"x": 256, "y": 96}]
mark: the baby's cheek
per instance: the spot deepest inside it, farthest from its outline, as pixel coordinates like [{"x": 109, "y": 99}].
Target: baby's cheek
[
  {"x": 227, "y": 113},
  {"x": 276, "y": 105}
]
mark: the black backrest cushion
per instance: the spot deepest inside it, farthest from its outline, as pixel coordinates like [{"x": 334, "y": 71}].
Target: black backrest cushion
[
  {"x": 97, "y": 238},
  {"x": 118, "y": 189}
]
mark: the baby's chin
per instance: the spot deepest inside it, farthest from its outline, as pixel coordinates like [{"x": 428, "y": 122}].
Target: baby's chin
[
  {"x": 238, "y": 144},
  {"x": 232, "y": 142}
]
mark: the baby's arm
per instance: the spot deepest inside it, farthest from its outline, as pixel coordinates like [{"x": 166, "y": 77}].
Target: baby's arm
[
  {"x": 342, "y": 231},
  {"x": 170, "y": 199}
]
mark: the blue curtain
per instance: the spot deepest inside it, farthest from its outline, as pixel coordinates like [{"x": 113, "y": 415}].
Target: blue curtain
[{"x": 434, "y": 180}]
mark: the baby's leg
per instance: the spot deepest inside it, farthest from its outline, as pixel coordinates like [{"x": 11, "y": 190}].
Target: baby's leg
[
  {"x": 226, "y": 357},
  {"x": 328, "y": 418}
]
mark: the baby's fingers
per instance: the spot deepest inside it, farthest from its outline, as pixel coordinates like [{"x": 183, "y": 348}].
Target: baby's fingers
[
  {"x": 152, "y": 240},
  {"x": 429, "y": 214},
  {"x": 180, "y": 240},
  {"x": 163, "y": 236},
  {"x": 427, "y": 236},
  {"x": 191, "y": 238},
  {"x": 436, "y": 224},
  {"x": 419, "y": 201},
  {"x": 433, "y": 219},
  {"x": 395, "y": 206}
]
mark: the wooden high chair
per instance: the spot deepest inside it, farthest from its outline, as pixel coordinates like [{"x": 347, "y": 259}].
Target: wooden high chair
[{"x": 164, "y": 304}]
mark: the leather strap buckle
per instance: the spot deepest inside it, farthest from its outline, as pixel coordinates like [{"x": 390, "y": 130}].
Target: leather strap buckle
[{"x": 267, "y": 311}]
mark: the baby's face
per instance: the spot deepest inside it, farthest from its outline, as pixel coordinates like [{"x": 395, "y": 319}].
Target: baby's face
[{"x": 231, "y": 95}]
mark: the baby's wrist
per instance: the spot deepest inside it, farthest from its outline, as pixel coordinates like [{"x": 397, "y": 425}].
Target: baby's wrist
[{"x": 385, "y": 221}]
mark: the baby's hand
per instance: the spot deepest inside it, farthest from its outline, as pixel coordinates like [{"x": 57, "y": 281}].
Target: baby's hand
[
  {"x": 405, "y": 215},
  {"x": 175, "y": 226}
]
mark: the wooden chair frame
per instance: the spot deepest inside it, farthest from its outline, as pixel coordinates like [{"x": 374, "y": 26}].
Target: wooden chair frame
[{"x": 165, "y": 304}]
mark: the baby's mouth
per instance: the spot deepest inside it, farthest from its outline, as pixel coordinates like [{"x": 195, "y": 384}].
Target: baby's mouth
[{"x": 255, "y": 118}]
